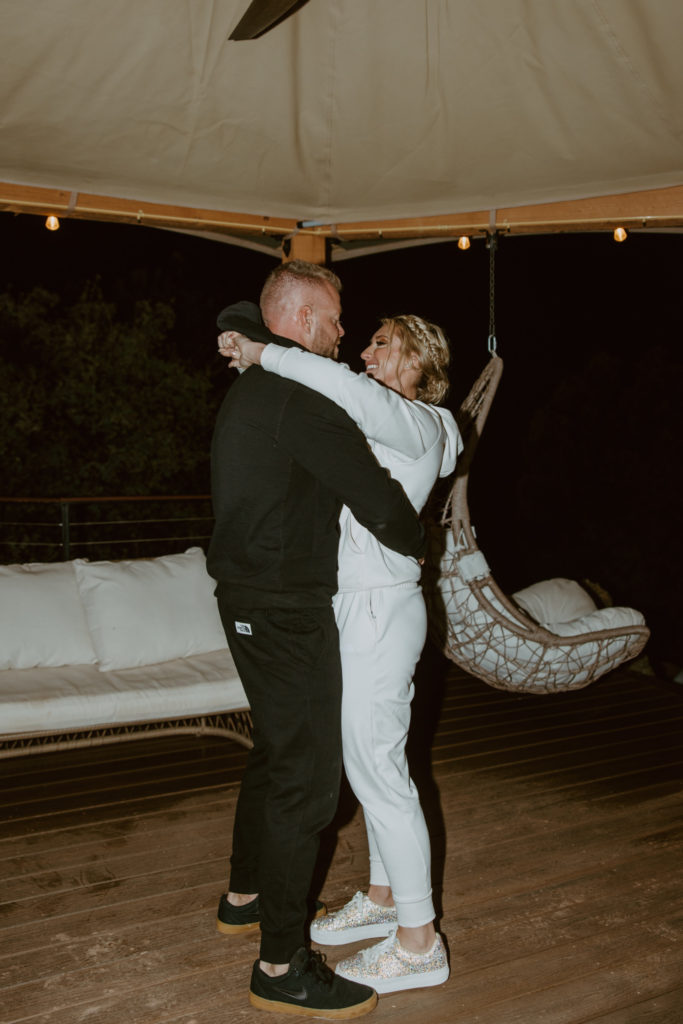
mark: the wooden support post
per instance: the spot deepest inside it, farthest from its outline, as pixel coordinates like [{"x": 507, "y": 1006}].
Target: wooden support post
[{"x": 312, "y": 248}]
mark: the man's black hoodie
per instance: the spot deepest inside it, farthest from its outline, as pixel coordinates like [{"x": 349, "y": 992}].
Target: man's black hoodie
[{"x": 284, "y": 460}]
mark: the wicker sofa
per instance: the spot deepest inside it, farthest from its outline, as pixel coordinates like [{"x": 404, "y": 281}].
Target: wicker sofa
[{"x": 94, "y": 652}]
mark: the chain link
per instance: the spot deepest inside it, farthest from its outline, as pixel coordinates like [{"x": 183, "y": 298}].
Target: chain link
[{"x": 492, "y": 244}]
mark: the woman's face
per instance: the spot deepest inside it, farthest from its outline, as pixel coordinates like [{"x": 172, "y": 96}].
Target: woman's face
[{"x": 384, "y": 361}]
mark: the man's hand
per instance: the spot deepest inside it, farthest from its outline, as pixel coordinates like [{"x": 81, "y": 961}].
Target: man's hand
[{"x": 240, "y": 350}]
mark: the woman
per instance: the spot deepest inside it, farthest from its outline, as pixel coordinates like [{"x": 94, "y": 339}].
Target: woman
[{"x": 382, "y": 623}]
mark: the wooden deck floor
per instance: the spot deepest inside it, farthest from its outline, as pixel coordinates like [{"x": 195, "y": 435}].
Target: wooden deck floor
[{"x": 557, "y": 834}]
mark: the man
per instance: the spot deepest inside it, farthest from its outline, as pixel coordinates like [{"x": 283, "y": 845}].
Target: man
[{"x": 284, "y": 460}]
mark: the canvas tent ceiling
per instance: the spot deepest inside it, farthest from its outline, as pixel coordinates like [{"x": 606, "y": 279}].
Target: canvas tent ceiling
[{"x": 348, "y": 119}]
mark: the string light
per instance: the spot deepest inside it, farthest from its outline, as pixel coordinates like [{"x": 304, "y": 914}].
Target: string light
[
  {"x": 52, "y": 223},
  {"x": 620, "y": 234},
  {"x": 464, "y": 242}
]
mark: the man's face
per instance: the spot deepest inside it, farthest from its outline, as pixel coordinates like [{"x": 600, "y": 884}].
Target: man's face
[{"x": 325, "y": 326}]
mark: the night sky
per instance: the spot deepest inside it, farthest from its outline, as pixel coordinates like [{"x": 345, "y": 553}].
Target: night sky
[{"x": 578, "y": 471}]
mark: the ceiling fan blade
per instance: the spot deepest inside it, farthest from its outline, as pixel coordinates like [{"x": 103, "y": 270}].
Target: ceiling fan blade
[{"x": 262, "y": 15}]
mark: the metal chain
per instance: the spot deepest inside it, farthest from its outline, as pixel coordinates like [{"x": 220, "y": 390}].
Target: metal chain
[{"x": 492, "y": 243}]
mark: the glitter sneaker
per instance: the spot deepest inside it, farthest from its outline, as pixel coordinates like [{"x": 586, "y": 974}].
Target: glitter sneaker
[
  {"x": 388, "y": 967},
  {"x": 359, "y": 919}
]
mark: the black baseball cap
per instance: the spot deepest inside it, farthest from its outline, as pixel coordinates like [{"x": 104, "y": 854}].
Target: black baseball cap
[{"x": 245, "y": 317}]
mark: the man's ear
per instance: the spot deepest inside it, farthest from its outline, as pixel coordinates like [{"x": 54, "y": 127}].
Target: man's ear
[{"x": 304, "y": 318}]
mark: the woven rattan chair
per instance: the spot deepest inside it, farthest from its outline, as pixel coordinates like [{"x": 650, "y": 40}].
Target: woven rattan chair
[{"x": 473, "y": 621}]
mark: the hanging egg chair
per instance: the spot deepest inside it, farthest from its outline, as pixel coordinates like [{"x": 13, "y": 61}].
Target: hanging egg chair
[{"x": 488, "y": 633}]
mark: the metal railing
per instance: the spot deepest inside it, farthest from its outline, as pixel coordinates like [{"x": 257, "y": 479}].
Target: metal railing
[{"x": 57, "y": 529}]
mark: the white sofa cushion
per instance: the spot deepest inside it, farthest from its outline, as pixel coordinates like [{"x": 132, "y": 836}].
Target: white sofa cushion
[
  {"x": 148, "y": 610},
  {"x": 81, "y": 697},
  {"x": 42, "y": 624},
  {"x": 556, "y": 600}
]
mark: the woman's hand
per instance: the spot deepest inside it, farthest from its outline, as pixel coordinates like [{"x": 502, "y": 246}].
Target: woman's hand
[{"x": 240, "y": 350}]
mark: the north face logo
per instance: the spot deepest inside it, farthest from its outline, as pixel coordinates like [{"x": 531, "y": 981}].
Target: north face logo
[{"x": 243, "y": 627}]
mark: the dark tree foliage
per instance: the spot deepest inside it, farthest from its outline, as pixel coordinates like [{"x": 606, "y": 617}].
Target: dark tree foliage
[{"x": 95, "y": 404}]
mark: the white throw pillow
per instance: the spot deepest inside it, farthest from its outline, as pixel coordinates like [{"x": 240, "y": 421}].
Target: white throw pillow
[
  {"x": 556, "y": 600},
  {"x": 148, "y": 610},
  {"x": 42, "y": 624}
]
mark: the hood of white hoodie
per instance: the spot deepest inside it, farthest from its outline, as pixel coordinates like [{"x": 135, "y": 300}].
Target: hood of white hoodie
[{"x": 453, "y": 444}]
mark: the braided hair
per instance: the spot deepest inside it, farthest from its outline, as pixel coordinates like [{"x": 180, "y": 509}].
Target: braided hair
[{"x": 428, "y": 343}]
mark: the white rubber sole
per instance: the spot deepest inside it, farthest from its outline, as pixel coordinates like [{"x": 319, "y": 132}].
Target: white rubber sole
[{"x": 403, "y": 983}]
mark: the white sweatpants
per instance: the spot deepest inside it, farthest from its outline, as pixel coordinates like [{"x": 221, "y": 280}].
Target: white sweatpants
[{"x": 382, "y": 633}]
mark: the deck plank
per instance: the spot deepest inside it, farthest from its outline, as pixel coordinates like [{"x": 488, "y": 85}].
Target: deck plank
[{"x": 557, "y": 828}]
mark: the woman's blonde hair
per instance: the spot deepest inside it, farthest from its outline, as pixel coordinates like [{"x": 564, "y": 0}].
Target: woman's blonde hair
[{"x": 428, "y": 343}]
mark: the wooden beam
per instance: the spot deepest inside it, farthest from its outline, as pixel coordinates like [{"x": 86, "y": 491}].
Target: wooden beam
[
  {"x": 651, "y": 209},
  {"x": 84, "y": 206},
  {"x": 655, "y": 208}
]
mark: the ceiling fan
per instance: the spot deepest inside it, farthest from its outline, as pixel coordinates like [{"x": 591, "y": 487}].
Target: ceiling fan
[{"x": 262, "y": 15}]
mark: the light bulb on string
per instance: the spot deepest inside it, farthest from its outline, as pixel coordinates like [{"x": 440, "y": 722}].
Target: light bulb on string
[
  {"x": 52, "y": 223},
  {"x": 464, "y": 242},
  {"x": 620, "y": 234}
]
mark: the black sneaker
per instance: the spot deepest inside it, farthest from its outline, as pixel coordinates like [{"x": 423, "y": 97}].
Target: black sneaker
[
  {"x": 232, "y": 920},
  {"x": 310, "y": 989}
]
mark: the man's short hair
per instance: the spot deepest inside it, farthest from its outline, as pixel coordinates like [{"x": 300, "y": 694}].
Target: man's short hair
[{"x": 284, "y": 276}]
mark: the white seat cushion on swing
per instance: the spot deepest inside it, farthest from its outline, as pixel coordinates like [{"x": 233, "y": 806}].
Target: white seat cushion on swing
[
  {"x": 563, "y": 607},
  {"x": 556, "y": 600},
  {"x": 601, "y": 618}
]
